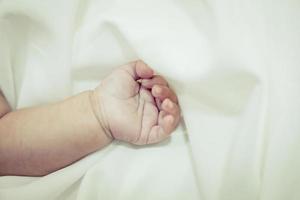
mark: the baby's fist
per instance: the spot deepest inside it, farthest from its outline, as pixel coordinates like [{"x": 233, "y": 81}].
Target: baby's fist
[{"x": 136, "y": 106}]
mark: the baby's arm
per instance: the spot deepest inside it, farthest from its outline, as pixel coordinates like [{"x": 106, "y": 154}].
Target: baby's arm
[
  {"x": 39, "y": 140},
  {"x": 131, "y": 104}
]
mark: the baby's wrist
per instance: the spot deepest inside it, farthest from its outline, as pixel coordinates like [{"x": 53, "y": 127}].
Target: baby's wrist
[{"x": 99, "y": 113}]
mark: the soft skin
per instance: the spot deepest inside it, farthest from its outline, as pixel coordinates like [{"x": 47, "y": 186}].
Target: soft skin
[{"x": 131, "y": 104}]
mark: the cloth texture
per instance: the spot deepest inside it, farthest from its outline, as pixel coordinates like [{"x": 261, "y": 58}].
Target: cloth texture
[{"x": 235, "y": 66}]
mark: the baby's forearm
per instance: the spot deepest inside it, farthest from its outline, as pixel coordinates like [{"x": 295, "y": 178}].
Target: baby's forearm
[{"x": 39, "y": 140}]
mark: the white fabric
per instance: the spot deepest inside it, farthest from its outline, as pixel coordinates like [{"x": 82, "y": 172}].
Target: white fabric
[{"x": 234, "y": 65}]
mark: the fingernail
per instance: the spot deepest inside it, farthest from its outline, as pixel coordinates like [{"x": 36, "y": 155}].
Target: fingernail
[
  {"x": 144, "y": 80},
  {"x": 158, "y": 90},
  {"x": 170, "y": 103}
]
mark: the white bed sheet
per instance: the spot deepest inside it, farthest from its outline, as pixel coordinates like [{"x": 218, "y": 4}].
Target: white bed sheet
[{"x": 234, "y": 65}]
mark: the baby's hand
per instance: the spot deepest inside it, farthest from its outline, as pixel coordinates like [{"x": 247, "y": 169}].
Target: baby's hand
[{"x": 136, "y": 106}]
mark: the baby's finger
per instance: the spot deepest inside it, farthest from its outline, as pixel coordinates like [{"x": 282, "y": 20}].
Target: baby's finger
[
  {"x": 166, "y": 121},
  {"x": 138, "y": 69},
  {"x": 170, "y": 107},
  {"x": 143, "y": 70},
  {"x": 156, "y": 135},
  {"x": 156, "y": 80},
  {"x": 163, "y": 92},
  {"x": 162, "y": 130}
]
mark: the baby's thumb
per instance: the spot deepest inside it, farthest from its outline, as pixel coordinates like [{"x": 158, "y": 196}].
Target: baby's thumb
[{"x": 143, "y": 70}]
